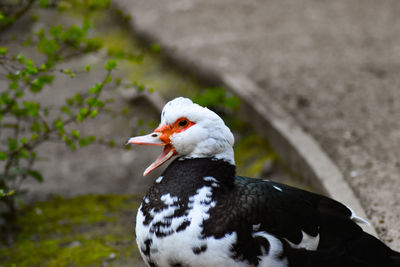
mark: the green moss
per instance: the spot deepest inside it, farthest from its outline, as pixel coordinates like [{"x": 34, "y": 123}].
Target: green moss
[
  {"x": 252, "y": 152},
  {"x": 81, "y": 231}
]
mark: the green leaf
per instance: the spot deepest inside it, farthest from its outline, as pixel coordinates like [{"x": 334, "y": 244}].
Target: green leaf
[
  {"x": 117, "y": 81},
  {"x": 108, "y": 79},
  {"x": 3, "y": 50},
  {"x": 48, "y": 47},
  {"x": 13, "y": 85},
  {"x": 69, "y": 142},
  {"x": 66, "y": 110},
  {"x": 99, "y": 104},
  {"x": 96, "y": 89},
  {"x": 111, "y": 64},
  {"x": 69, "y": 72},
  {"x": 20, "y": 58},
  {"x": 12, "y": 144},
  {"x": 38, "y": 83},
  {"x": 125, "y": 110},
  {"x": 4, "y": 194},
  {"x": 83, "y": 142},
  {"x": 30, "y": 67},
  {"x": 36, "y": 127},
  {"x": 79, "y": 117},
  {"x": 83, "y": 111},
  {"x": 32, "y": 154},
  {"x": 19, "y": 94},
  {"x": 59, "y": 124},
  {"x": 86, "y": 24},
  {"x": 34, "y": 136},
  {"x": 75, "y": 134},
  {"x": 155, "y": 48},
  {"x": 36, "y": 86},
  {"x": 73, "y": 35},
  {"x": 91, "y": 101},
  {"x": 44, "y": 3},
  {"x": 93, "y": 113},
  {"x": 111, "y": 143},
  {"x": 232, "y": 103},
  {"x": 23, "y": 153},
  {"x": 141, "y": 87},
  {"x": 24, "y": 140},
  {"x": 43, "y": 67},
  {"x": 13, "y": 76},
  {"x": 87, "y": 68},
  {"x": 35, "y": 174},
  {"x": 3, "y": 155},
  {"x": 56, "y": 31},
  {"x": 32, "y": 108},
  {"x": 35, "y": 17},
  {"x": 78, "y": 99},
  {"x": 70, "y": 101},
  {"x": 210, "y": 97}
]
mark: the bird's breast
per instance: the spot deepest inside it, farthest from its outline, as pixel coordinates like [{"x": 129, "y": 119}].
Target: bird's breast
[{"x": 169, "y": 232}]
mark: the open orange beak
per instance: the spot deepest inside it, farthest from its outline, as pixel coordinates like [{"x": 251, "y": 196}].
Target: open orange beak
[{"x": 160, "y": 137}]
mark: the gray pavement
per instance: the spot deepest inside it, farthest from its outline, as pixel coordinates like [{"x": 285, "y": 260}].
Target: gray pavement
[{"x": 334, "y": 65}]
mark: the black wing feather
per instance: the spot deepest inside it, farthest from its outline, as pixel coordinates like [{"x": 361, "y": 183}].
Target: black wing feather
[{"x": 286, "y": 211}]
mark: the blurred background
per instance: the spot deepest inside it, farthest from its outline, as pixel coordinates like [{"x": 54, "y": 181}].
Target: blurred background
[{"x": 79, "y": 77}]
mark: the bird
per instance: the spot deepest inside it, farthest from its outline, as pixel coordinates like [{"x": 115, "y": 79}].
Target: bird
[{"x": 198, "y": 212}]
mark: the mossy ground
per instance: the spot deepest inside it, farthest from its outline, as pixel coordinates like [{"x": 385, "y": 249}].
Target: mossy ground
[{"x": 90, "y": 230}]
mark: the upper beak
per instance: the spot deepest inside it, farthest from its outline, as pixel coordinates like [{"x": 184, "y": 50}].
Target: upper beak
[{"x": 153, "y": 139}]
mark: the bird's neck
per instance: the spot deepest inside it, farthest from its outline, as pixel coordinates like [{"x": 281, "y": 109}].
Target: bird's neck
[
  {"x": 194, "y": 170},
  {"x": 216, "y": 148}
]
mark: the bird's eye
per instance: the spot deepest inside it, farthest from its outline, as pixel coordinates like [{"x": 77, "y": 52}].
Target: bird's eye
[{"x": 183, "y": 123}]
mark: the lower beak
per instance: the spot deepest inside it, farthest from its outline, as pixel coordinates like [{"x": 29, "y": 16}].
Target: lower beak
[{"x": 154, "y": 140}]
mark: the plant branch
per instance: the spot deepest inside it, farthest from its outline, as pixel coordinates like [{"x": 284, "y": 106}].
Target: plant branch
[{"x": 19, "y": 13}]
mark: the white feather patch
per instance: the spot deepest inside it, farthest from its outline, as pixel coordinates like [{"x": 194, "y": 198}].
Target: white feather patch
[
  {"x": 271, "y": 257},
  {"x": 356, "y": 218},
  {"x": 277, "y": 188},
  {"x": 308, "y": 242},
  {"x": 178, "y": 246}
]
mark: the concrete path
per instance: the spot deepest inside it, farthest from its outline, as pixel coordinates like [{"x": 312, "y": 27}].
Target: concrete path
[{"x": 334, "y": 65}]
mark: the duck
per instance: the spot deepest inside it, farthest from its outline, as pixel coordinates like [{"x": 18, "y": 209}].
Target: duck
[{"x": 199, "y": 213}]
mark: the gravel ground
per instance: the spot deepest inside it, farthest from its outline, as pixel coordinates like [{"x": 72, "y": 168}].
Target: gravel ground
[{"x": 333, "y": 64}]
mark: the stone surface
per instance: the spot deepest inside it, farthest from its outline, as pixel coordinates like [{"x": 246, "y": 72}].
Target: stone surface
[{"x": 332, "y": 64}]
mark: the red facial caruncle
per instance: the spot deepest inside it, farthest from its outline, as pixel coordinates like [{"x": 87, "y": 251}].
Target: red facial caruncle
[{"x": 162, "y": 137}]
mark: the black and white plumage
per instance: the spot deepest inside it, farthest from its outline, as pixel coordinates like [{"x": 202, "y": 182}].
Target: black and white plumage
[{"x": 199, "y": 213}]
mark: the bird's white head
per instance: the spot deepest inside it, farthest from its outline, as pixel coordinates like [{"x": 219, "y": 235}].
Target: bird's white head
[{"x": 189, "y": 131}]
